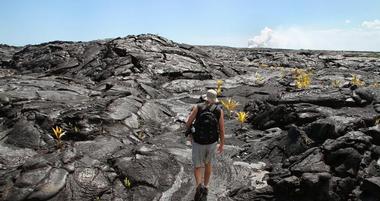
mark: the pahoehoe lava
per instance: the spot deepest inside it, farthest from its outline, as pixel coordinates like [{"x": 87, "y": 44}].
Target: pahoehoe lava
[{"x": 122, "y": 103}]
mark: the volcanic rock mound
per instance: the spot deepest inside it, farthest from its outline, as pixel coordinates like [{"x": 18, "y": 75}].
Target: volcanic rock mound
[{"x": 117, "y": 108}]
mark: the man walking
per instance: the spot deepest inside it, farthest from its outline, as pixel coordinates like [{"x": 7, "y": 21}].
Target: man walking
[{"x": 209, "y": 127}]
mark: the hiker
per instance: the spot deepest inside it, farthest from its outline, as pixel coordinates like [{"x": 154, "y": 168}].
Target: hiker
[{"x": 209, "y": 126}]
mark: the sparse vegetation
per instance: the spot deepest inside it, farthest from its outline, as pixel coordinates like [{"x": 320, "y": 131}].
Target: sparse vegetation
[
  {"x": 127, "y": 183},
  {"x": 219, "y": 87},
  {"x": 219, "y": 91},
  {"x": 306, "y": 139},
  {"x": 259, "y": 78},
  {"x": 57, "y": 134},
  {"x": 242, "y": 118},
  {"x": 230, "y": 105},
  {"x": 355, "y": 80},
  {"x": 106, "y": 120},
  {"x": 375, "y": 85},
  {"x": 219, "y": 83},
  {"x": 283, "y": 72},
  {"x": 263, "y": 65},
  {"x": 303, "y": 80},
  {"x": 335, "y": 83},
  {"x": 141, "y": 135},
  {"x": 297, "y": 72},
  {"x": 74, "y": 128}
]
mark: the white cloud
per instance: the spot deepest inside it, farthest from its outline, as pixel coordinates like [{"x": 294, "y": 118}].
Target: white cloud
[
  {"x": 347, "y": 21},
  {"x": 328, "y": 39},
  {"x": 375, "y": 24},
  {"x": 262, "y": 39}
]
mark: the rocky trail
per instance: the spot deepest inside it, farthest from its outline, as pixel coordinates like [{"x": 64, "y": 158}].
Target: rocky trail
[
  {"x": 227, "y": 173},
  {"x": 102, "y": 120}
]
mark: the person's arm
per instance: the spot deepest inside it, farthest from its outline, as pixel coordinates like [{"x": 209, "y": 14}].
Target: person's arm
[
  {"x": 221, "y": 132},
  {"x": 191, "y": 117}
]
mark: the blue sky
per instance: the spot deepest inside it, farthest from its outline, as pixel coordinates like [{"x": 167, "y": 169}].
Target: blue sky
[{"x": 322, "y": 24}]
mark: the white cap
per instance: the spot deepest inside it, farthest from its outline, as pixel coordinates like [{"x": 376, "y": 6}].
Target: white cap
[{"x": 211, "y": 96}]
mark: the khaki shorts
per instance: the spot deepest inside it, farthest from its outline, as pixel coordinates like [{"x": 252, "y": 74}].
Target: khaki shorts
[{"x": 203, "y": 154}]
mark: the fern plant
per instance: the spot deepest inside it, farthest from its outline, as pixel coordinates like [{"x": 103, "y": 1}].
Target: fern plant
[
  {"x": 303, "y": 80},
  {"x": 297, "y": 72},
  {"x": 219, "y": 87},
  {"x": 375, "y": 85},
  {"x": 259, "y": 79},
  {"x": 335, "y": 83},
  {"x": 242, "y": 118},
  {"x": 219, "y": 83},
  {"x": 127, "y": 183},
  {"x": 355, "y": 80},
  {"x": 230, "y": 105},
  {"x": 57, "y": 134}
]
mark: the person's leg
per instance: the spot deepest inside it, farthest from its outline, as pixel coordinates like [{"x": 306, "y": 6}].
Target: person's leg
[
  {"x": 210, "y": 158},
  {"x": 207, "y": 175},
  {"x": 198, "y": 175},
  {"x": 197, "y": 162}
]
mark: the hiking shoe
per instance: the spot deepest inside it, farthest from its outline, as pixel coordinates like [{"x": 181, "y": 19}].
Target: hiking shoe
[
  {"x": 198, "y": 193},
  {"x": 201, "y": 193},
  {"x": 205, "y": 193}
]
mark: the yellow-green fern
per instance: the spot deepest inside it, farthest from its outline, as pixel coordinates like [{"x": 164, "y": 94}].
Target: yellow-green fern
[
  {"x": 355, "y": 80},
  {"x": 303, "y": 80},
  {"x": 242, "y": 118},
  {"x": 57, "y": 134},
  {"x": 127, "y": 183},
  {"x": 335, "y": 83},
  {"x": 230, "y": 105},
  {"x": 219, "y": 87},
  {"x": 259, "y": 79}
]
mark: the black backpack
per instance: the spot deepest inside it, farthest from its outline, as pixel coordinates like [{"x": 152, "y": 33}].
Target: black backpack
[{"x": 207, "y": 124}]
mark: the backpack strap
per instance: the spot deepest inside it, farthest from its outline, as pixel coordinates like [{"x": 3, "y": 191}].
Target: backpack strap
[{"x": 213, "y": 107}]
